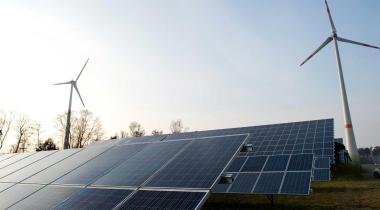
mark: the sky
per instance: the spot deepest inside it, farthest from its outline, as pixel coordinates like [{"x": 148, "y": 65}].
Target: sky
[{"x": 212, "y": 63}]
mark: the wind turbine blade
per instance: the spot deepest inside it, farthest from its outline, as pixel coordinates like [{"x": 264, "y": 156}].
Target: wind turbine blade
[
  {"x": 328, "y": 40},
  {"x": 76, "y": 88},
  {"x": 63, "y": 83},
  {"x": 330, "y": 18},
  {"x": 357, "y": 43},
  {"x": 82, "y": 69}
]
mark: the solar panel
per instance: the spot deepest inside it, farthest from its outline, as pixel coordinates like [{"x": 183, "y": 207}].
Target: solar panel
[
  {"x": 137, "y": 169},
  {"x": 276, "y": 163},
  {"x": 301, "y": 162},
  {"x": 200, "y": 164},
  {"x": 164, "y": 200},
  {"x": 4, "y": 186},
  {"x": 38, "y": 166},
  {"x": 6, "y": 156},
  {"x": 14, "y": 159},
  {"x": 101, "y": 164},
  {"x": 322, "y": 163},
  {"x": 145, "y": 139},
  {"x": 24, "y": 162},
  {"x": 321, "y": 175},
  {"x": 16, "y": 193},
  {"x": 254, "y": 164},
  {"x": 269, "y": 183},
  {"x": 46, "y": 198},
  {"x": 92, "y": 198},
  {"x": 244, "y": 183},
  {"x": 276, "y": 174},
  {"x": 237, "y": 164},
  {"x": 66, "y": 165},
  {"x": 296, "y": 183},
  {"x": 321, "y": 169},
  {"x": 173, "y": 171},
  {"x": 315, "y": 136}
]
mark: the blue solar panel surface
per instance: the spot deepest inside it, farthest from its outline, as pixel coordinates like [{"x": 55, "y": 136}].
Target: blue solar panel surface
[
  {"x": 200, "y": 164},
  {"x": 137, "y": 169},
  {"x": 276, "y": 174},
  {"x": 164, "y": 200},
  {"x": 91, "y": 198},
  {"x": 295, "y": 182},
  {"x": 46, "y": 198},
  {"x": 268, "y": 183},
  {"x": 101, "y": 164},
  {"x": 321, "y": 175},
  {"x": 170, "y": 164}
]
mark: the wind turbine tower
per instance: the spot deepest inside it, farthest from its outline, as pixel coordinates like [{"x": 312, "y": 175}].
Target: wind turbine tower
[
  {"x": 73, "y": 84},
  {"x": 348, "y": 128}
]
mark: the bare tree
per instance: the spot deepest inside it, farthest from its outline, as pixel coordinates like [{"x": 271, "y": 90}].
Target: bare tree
[
  {"x": 24, "y": 129},
  {"x": 6, "y": 119},
  {"x": 136, "y": 130},
  {"x": 85, "y": 128},
  {"x": 156, "y": 132},
  {"x": 177, "y": 126}
]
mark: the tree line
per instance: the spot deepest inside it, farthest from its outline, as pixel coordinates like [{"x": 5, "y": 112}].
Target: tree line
[{"x": 85, "y": 129}]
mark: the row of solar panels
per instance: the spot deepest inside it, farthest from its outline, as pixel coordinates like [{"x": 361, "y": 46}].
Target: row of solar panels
[
  {"x": 315, "y": 137},
  {"x": 78, "y": 197},
  {"x": 157, "y": 166}
]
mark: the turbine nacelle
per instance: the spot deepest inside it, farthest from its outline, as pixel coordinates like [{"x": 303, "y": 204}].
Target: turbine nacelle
[{"x": 335, "y": 36}]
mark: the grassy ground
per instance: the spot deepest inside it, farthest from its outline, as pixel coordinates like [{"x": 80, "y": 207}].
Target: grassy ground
[{"x": 351, "y": 188}]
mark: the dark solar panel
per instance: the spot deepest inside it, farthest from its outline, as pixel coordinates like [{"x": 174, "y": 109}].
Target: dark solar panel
[
  {"x": 266, "y": 181},
  {"x": 254, "y": 164},
  {"x": 269, "y": 183},
  {"x": 315, "y": 136},
  {"x": 200, "y": 164},
  {"x": 137, "y": 169},
  {"x": 46, "y": 198},
  {"x": 61, "y": 168},
  {"x": 164, "y": 200},
  {"x": 321, "y": 175},
  {"x": 91, "y": 198},
  {"x": 237, "y": 164},
  {"x": 301, "y": 162},
  {"x": 276, "y": 163},
  {"x": 223, "y": 187},
  {"x": 297, "y": 183},
  {"x": 16, "y": 193},
  {"x": 244, "y": 183},
  {"x": 36, "y": 167},
  {"x": 322, "y": 163},
  {"x": 101, "y": 164}
]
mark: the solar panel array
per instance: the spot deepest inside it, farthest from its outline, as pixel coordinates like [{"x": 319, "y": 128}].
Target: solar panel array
[
  {"x": 321, "y": 170},
  {"x": 276, "y": 174},
  {"x": 144, "y": 175},
  {"x": 174, "y": 171}
]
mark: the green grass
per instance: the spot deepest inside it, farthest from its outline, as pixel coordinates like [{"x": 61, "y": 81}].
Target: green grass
[{"x": 351, "y": 188}]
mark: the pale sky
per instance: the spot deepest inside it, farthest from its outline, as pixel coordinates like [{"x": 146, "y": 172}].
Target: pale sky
[{"x": 213, "y": 63}]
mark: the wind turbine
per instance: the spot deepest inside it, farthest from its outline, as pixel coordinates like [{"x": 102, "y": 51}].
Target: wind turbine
[
  {"x": 73, "y": 84},
  {"x": 348, "y": 129}
]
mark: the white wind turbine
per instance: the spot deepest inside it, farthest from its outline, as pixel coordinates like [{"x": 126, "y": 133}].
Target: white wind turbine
[
  {"x": 348, "y": 129},
  {"x": 73, "y": 84}
]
